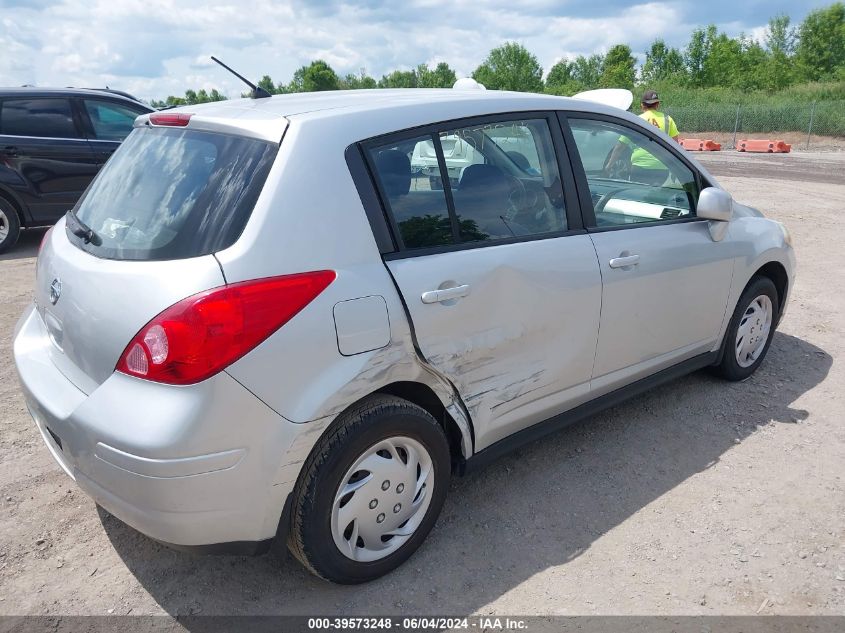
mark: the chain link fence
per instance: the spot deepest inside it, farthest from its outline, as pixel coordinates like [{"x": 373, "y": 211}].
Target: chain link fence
[{"x": 805, "y": 123}]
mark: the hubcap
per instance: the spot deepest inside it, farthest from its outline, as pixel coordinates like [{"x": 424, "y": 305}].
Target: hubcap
[
  {"x": 396, "y": 473},
  {"x": 753, "y": 331},
  {"x": 4, "y": 225}
]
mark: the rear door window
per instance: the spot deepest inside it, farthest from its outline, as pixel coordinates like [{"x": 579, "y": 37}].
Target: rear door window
[
  {"x": 111, "y": 121},
  {"x": 46, "y": 118},
  {"x": 410, "y": 182},
  {"x": 479, "y": 183},
  {"x": 173, "y": 194},
  {"x": 513, "y": 188}
]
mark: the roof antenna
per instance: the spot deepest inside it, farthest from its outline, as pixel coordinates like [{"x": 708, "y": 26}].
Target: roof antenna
[{"x": 257, "y": 93}]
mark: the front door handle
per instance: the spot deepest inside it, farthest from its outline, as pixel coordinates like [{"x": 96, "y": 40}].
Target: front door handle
[
  {"x": 445, "y": 294},
  {"x": 623, "y": 261}
]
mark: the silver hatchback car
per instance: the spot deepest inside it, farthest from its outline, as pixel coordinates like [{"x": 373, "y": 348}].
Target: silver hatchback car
[{"x": 261, "y": 322}]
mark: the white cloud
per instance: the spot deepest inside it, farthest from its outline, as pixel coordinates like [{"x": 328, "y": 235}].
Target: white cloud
[
  {"x": 158, "y": 47},
  {"x": 759, "y": 34}
]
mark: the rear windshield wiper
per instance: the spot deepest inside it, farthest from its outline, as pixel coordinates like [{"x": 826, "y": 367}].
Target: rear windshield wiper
[{"x": 80, "y": 229}]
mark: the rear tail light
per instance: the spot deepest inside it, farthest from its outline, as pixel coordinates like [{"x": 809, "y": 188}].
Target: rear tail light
[
  {"x": 172, "y": 119},
  {"x": 196, "y": 338}
]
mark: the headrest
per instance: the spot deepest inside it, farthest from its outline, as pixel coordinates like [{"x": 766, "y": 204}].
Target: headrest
[
  {"x": 394, "y": 169},
  {"x": 482, "y": 176}
]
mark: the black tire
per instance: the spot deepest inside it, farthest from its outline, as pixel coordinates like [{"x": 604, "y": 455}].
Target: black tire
[
  {"x": 374, "y": 419},
  {"x": 9, "y": 220},
  {"x": 729, "y": 368}
]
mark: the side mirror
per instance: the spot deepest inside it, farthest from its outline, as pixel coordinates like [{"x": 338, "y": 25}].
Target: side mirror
[{"x": 715, "y": 204}]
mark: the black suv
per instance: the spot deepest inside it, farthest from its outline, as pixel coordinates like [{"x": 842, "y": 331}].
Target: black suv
[{"x": 52, "y": 144}]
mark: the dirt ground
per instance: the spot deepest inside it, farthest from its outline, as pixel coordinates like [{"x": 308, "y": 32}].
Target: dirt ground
[{"x": 701, "y": 497}]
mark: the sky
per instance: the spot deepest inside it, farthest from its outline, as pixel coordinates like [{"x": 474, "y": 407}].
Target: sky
[{"x": 153, "y": 48}]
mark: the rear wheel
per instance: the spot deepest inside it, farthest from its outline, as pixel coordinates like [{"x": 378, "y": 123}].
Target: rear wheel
[
  {"x": 370, "y": 492},
  {"x": 10, "y": 226},
  {"x": 751, "y": 329}
]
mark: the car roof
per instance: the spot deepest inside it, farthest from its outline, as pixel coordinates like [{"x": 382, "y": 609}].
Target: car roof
[
  {"x": 304, "y": 103},
  {"x": 373, "y": 112},
  {"x": 38, "y": 91}
]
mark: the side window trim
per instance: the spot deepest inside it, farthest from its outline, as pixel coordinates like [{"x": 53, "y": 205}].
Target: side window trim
[
  {"x": 587, "y": 209},
  {"x": 80, "y": 118},
  {"x": 588, "y": 216},
  {"x": 447, "y": 189},
  {"x": 575, "y": 227},
  {"x": 365, "y": 183},
  {"x": 567, "y": 169}
]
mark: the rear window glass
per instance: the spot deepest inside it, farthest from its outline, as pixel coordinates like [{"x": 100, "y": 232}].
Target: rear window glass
[{"x": 173, "y": 194}]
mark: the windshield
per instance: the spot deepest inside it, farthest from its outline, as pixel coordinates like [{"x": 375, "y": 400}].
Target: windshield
[{"x": 173, "y": 194}]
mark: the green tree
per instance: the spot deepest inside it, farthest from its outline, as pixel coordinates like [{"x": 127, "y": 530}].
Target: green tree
[
  {"x": 695, "y": 56},
  {"x": 723, "y": 63},
  {"x": 436, "y": 230},
  {"x": 663, "y": 63},
  {"x": 358, "y": 82},
  {"x": 192, "y": 97},
  {"x": 169, "y": 102},
  {"x": 399, "y": 79},
  {"x": 619, "y": 68},
  {"x": 315, "y": 77},
  {"x": 267, "y": 83},
  {"x": 753, "y": 65},
  {"x": 821, "y": 43},
  {"x": 560, "y": 80},
  {"x": 510, "y": 67},
  {"x": 586, "y": 71},
  {"x": 441, "y": 76},
  {"x": 781, "y": 38}
]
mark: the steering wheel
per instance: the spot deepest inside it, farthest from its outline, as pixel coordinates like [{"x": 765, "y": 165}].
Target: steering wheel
[
  {"x": 517, "y": 196},
  {"x": 599, "y": 206}
]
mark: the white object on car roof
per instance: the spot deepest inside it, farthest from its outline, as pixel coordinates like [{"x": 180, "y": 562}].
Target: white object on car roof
[
  {"x": 614, "y": 97},
  {"x": 467, "y": 83}
]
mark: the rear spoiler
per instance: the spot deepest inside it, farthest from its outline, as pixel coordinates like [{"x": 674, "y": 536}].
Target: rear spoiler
[{"x": 230, "y": 118}]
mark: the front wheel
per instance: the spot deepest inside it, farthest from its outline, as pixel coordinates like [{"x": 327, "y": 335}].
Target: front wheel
[
  {"x": 751, "y": 329},
  {"x": 370, "y": 491}
]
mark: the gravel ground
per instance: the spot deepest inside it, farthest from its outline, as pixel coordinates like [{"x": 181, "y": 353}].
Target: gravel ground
[{"x": 701, "y": 497}]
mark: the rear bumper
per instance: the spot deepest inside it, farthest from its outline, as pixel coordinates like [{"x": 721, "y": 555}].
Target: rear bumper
[{"x": 192, "y": 466}]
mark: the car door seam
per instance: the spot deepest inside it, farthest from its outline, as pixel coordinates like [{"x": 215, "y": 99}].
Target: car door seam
[
  {"x": 601, "y": 308},
  {"x": 456, "y": 395}
]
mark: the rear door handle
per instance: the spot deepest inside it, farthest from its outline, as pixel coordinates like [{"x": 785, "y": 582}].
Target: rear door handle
[
  {"x": 10, "y": 150},
  {"x": 624, "y": 261},
  {"x": 445, "y": 294}
]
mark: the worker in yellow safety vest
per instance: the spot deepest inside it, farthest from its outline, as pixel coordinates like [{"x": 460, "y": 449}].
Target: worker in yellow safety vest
[
  {"x": 645, "y": 167},
  {"x": 651, "y": 113}
]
